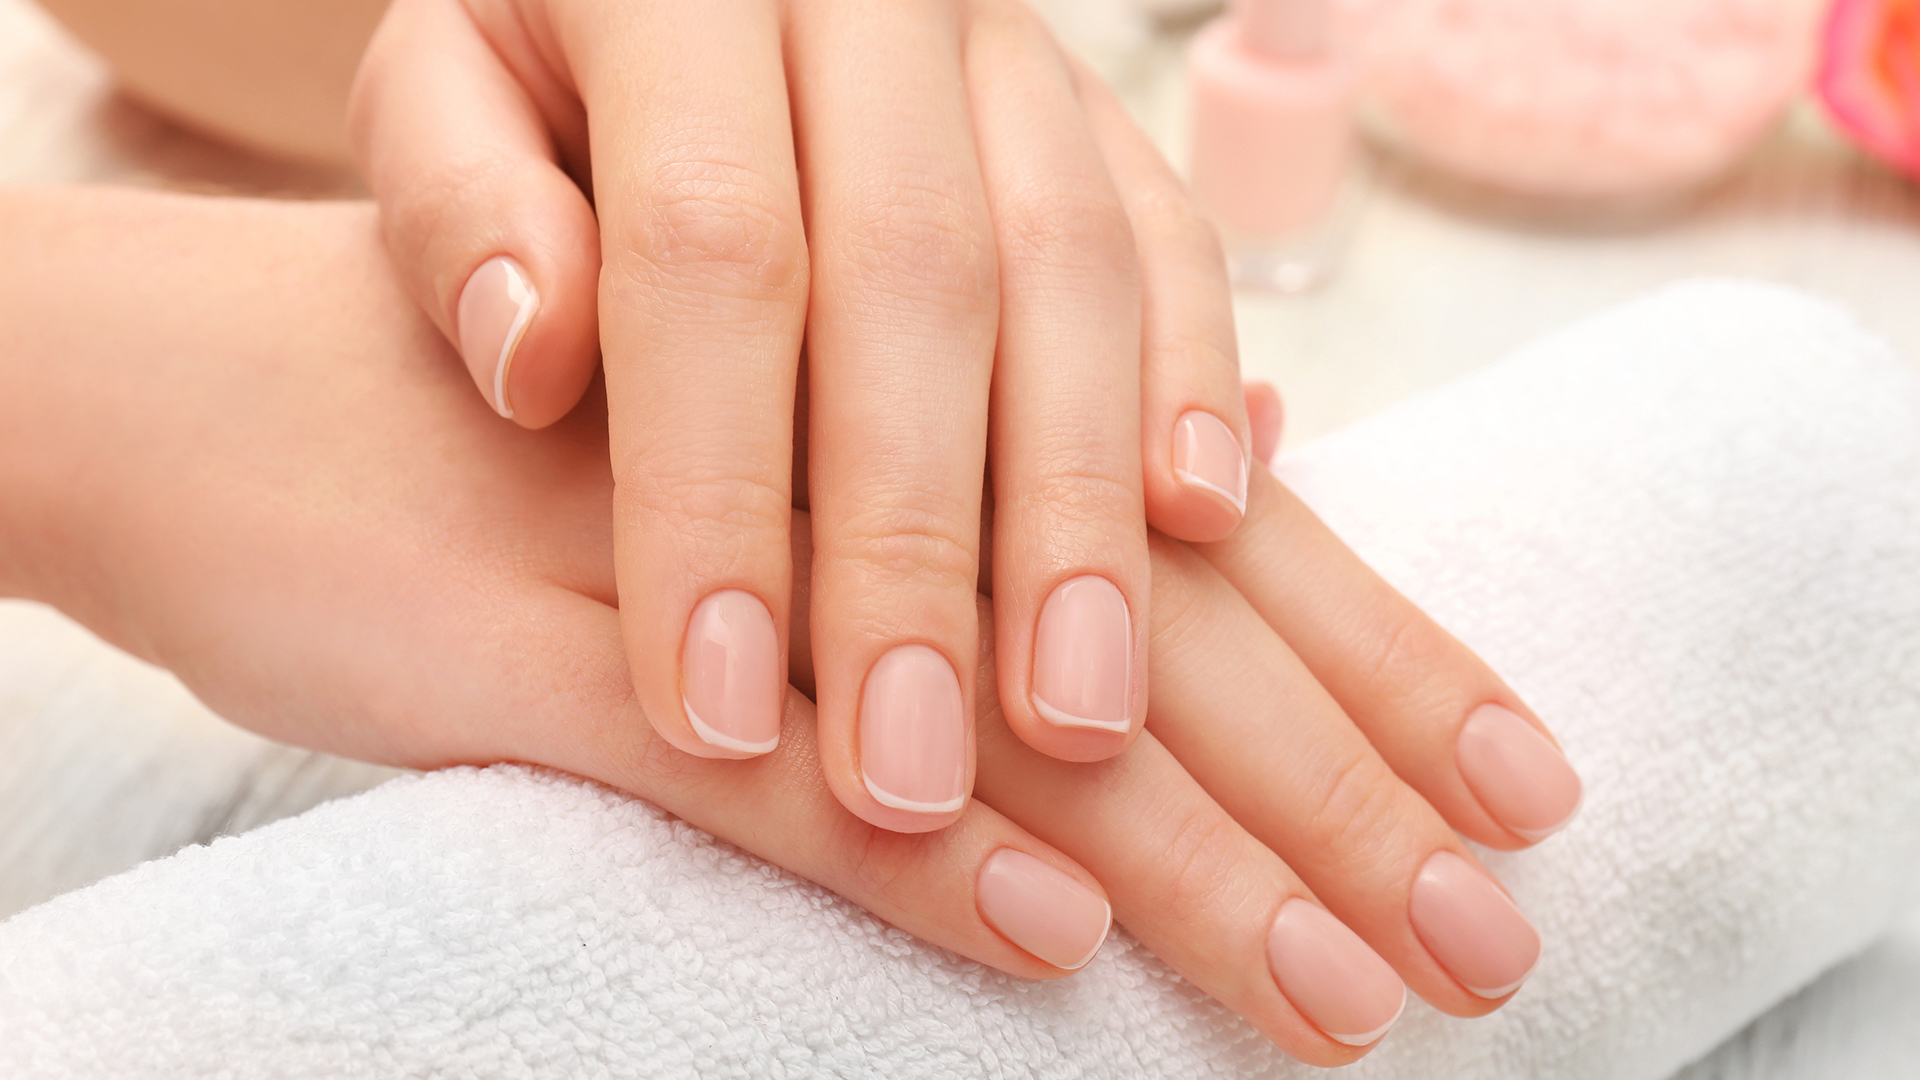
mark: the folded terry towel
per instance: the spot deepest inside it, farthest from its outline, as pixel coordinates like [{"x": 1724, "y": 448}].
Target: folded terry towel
[{"x": 1689, "y": 532}]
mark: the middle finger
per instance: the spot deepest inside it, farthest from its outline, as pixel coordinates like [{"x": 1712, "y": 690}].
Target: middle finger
[{"x": 900, "y": 339}]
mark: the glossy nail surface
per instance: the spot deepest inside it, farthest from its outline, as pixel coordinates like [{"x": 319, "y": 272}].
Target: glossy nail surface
[
  {"x": 913, "y": 732},
  {"x": 1467, "y": 922},
  {"x": 1041, "y": 909},
  {"x": 1334, "y": 979},
  {"x": 1517, "y": 773},
  {"x": 496, "y": 307},
  {"x": 1206, "y": 456},
  {"x": 1083, "y": 656},
  {"x": 730, "y": 673}
]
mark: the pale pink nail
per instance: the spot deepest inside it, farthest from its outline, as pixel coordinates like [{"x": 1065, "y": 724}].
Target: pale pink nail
[
  {"x": 1518, "y": 775},
  {"x": 1041, "y": 909},
  {"x": 1334, "y": 979},
  {"x": 1083, "y": 656},
  {"x": 730, "y": 673},
  {"x": 1467, "y": 922},
  {"x": 496, "y": 307},
  {"x": 1207, "y": 456},
  {"x": 913, "y": 732}
]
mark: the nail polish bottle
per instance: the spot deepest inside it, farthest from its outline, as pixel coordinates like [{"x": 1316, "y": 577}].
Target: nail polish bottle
[{"x": 1273, "y": 139}]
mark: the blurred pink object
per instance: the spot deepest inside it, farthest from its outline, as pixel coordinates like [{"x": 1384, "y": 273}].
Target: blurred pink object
[
  {"x": 1581, "y": 98},
  {"x": 1870, "y": 77}
]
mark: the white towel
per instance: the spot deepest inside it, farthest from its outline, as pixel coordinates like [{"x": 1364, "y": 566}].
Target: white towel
[{"x": 1689, "y": 533}]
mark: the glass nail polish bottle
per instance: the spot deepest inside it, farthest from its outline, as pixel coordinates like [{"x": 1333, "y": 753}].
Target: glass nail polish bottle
[{"x": 1273, "y": 148}]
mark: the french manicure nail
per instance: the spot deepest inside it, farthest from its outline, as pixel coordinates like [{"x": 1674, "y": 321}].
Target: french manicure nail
[
  {"x": 1470, "y": 926},
  {"x": 496, "y": 306},
  {"x": 730, "y": 673},
  {"x": 1041, "y": 909},
  {"x": 1518, "y": 775},
  {"x": 913, "y": 732},
  {"x": 1083, "y": 656},
  {"x": 1336, "y": 981},
  {"x": 1206, "y": 455}
]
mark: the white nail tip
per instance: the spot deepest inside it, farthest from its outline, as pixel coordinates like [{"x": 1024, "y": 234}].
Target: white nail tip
[
  {"x": 528, "y": 302},
  {"x": 1501, "y": 991},
  {"x": 1373, "y": 1036},
  {"x": 888, "y": 798},
  {"x": 725, "y": 742},
  {"x": 1095, "y": 951},
  {"x": 1190, "y": 479},
  {"x": 1067, "y": 719},
  {"x": 1536, "y": 835}
]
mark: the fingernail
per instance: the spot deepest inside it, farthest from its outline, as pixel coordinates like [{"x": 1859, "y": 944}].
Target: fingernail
[
  {"x": 496, "y": 306},
  {"x": 1207, "y": 456},
  {"x": 730, "y": 673},
  {"x": 1041, "y": 909},
  {"x": 1331, "y": 976},
  {"x": 1518, "y": 775},
  {"x": 1083, "y": 656},
  {"x": 1467, "y": 922},
  {"x": 913, "y": 732}
]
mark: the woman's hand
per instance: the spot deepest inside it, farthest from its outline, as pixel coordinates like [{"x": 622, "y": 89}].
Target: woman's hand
[
  {"x": 257, "y": 465},
  {"x": 987, "y": 264}
]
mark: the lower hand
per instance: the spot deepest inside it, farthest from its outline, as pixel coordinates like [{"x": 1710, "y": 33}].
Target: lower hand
[{"x": 260, "y": 469}]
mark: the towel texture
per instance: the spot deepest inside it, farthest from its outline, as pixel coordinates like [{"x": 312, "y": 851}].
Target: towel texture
[{"x": 1689, "y": 533}]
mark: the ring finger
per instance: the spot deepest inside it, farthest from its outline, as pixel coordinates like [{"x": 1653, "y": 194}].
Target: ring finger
[{"x": 1070, "y": 545}]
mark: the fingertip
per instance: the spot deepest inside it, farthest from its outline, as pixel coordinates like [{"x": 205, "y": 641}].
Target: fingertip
[
  {"x": 1209, "y": 468},
  {"x": 1043, "y": 910},
  {"x": 1266, "y": 415}
]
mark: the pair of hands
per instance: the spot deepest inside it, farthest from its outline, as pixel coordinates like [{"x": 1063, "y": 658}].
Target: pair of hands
[
  {"x": 259, "y": 466},
  {"x": 988, "y": 264}
]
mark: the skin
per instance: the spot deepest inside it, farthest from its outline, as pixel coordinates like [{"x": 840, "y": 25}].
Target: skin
[
  {"x": 273, "y": 77},
  {"x": 994, "y": 276},
  {"x": 200, "y": 468},
  {"x": 1064, "y": 247}
]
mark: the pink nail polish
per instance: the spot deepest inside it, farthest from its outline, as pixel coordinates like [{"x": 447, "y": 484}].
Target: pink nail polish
[
  {"x": 1470, "y": 926},
  {"x": 1206, "y": 455},
  {"x": 913, "y": 732},
  {"x": 1083, "y": 656},
  {"x": 1336, "y": 981},
  {"x": 496, "y": 307},
  {"x": 730, "y": 673},
  {"x": 1273, "y": 139},
  {"x": 1518, "y": 775},
  {"x": 1042, "y": 910}
]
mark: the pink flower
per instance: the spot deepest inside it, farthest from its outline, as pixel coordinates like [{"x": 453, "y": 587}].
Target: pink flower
[{"x": 1870, "y": 77}]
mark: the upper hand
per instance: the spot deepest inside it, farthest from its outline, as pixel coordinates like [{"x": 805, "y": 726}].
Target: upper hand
[{"x": 987, "y": 263}]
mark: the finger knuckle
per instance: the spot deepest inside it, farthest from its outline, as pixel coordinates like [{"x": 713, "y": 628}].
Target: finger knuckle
[
  {"x": 910, "y": 544},
  {"x": 885, "y": 866},
  {"x": 705, "y": 507},
  {"x": 1173, "y": 221},
  {"x": 1202, "y": 855},
  {"x": 1356, "y": 810},
  {"x": 710, "y": 227},
  {"x": 1410, "y": 658},
  {"x": 924, "y": 242},
  {"x": 1085, "y": 498},
  {"x": 1066, "y": 221}
]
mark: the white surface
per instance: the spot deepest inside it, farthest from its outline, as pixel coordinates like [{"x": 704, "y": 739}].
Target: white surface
[
  {"x": 1431, "y": 289},
  {"x": 1709, "y": 492}
]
